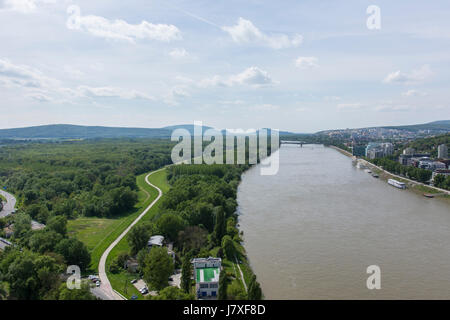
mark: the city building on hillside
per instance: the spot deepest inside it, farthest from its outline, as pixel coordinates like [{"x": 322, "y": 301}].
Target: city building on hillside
[
  {"x": 206, "y": 274},
  {"x": 409, "y": 151},
  {"x": 379, "y": 150},
  {"x": 442, "y": 151},
  {"x": 437, "y": 165},
  {"x": 426, "y": 164}
]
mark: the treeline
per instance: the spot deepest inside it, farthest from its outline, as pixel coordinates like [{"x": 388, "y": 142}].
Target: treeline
[
  {"x": 418, "y": 174},
  {"x": 442, "y": 181},
  {"x": 88, "y": 178},
  {"x": 34, "y": 267}
]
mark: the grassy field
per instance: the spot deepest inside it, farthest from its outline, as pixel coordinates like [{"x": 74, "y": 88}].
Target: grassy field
[
  {"x": 98, "y": 233},
  {"x": 121, "y": 281}
]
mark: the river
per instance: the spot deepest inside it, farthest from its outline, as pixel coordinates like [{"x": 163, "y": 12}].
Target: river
[{"x": 312, "y": 230}]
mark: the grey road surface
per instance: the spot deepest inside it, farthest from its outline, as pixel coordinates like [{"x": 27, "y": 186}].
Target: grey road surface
[{"x": 8, "y": 207}]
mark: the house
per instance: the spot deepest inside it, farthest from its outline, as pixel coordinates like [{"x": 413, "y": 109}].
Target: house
[
  {"x": 132, "y": 265},
  {"x": 155, "y": 241},
  {"x": 206, "y": 274}
]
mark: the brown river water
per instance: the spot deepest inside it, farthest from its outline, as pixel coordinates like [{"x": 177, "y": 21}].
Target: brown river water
[{"x": 312, "y": 230}]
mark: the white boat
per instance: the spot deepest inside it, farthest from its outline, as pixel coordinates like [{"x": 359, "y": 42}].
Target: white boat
[{"x": 397, "y": 184}]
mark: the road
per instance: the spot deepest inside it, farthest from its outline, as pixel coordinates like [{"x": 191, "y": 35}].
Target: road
[
  {"x": 8, "y": 207},
  {"x": 107, "y": 291}
]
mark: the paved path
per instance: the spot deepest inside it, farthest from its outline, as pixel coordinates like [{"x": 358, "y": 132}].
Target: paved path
[
  {"x": 105, "y": 285},
  {"x": 8, "y": 207}
]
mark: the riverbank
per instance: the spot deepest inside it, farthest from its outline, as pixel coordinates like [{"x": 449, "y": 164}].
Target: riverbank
[{"x": 413, "y": 186}]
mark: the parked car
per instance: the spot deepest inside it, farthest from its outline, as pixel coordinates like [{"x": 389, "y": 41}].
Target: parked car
[
  {"x": 144, "y": 290},
  {"x": 97, "y": 283},
  {"x": 133, "y": 281}
]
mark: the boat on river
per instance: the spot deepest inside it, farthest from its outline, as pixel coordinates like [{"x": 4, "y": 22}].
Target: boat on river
[{"x": 397, "y": 184}]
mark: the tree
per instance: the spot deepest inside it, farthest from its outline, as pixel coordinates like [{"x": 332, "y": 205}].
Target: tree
[
  {"x": 138, "y": 237},
  {"x": 235, "y": 291},
  {"x": 186, "y": 272},
  {"x": 172, "y": 293},
  {"x": 84, "y": 293},
  {"x": 220, "y": 228},
  {"x": 228, "y": 248},
  {"x": 22, "y": 225},
  {"x": 170, "y": 225},
  {"x": 44, "y": 240},
  {"x": 31, "y": 276},
  {"x": 254, "y": 290},
  {"x": 223, "y": 284},
  {"x": 192, "y": 238},
  {"x": 74, "y": 252},
  {"x": 58, "y": 224},
  {"x": 158, "y": 268}
]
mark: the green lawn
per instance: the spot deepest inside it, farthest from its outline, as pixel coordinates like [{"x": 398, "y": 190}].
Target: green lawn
[
  {"x": 98, "y": 233},
  {"x": 121, "y": 281}
]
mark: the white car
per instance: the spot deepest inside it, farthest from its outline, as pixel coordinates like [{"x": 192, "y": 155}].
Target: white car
[{"x": 97, "y": 283}]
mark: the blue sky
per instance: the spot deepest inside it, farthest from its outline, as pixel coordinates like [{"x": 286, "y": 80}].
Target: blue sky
[{"x": 302, "y": 66}]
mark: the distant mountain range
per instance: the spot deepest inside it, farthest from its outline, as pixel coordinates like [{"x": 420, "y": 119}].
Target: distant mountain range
[
  {"x": 68, "y": 131},
  {"x": 435, "y": 126}
]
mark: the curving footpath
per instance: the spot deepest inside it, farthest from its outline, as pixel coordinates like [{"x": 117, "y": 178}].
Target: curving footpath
[{"x": 105, "y": 285}]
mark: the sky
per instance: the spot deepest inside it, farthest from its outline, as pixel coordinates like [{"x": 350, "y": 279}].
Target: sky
[{"x": 302, "y": 66}]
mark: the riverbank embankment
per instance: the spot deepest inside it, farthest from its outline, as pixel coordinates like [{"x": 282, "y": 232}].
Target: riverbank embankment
[{"x": 414, "y": 186}]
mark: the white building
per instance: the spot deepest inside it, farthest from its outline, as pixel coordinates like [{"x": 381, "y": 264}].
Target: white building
[
  {"x": 378, "y": 150},
  {"x": 442, "y": 151},
  {"x": 206, "y": 274},
  {"x": 155, "y": 241}
]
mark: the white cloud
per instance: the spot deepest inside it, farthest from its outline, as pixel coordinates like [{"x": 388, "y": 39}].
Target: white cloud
[
  {"x": 41, "y": 97},
  {"x": 349, "y": 106},
  {"x": 264, "y": 107},
  {"x": 306, "y": 62},
  {"x": 413, "y": 77},
  {"x": 120, "y": 29},
  {"x": 24, "y": 6},
  {"x": 393, "y": 108},
  {"x": 112, "y": 92},
  {"x": 246, "y": 32},
  {"x": 252, "y": 76},
  {"x": 22, "y": 76},
  {"x": 414, "y": 93},
  {"x": 178, "y": 53}
]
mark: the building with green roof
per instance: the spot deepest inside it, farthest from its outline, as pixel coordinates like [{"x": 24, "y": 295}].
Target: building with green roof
[{"x": 206, "y": 274}]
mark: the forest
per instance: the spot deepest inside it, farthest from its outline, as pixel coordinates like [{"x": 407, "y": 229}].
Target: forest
[{"x": 59, "y": 181}]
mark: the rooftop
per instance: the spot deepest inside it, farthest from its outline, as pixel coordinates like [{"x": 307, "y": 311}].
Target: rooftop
[
  {"x": 156, "y": 241},
  {"x": 207, "y": 275}
]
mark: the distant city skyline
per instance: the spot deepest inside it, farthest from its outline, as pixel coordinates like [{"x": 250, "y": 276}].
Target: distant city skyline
[{"x": 300, "y": 66}]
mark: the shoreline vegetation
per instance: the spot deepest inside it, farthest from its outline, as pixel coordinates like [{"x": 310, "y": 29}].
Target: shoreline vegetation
[{"x": 413, "y": 186}]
